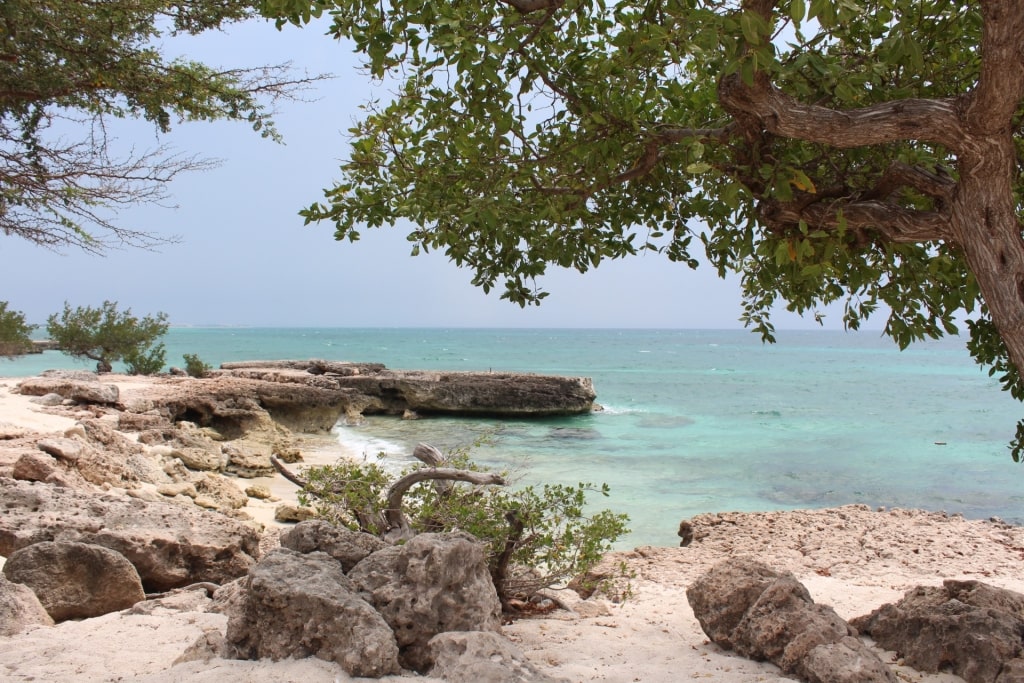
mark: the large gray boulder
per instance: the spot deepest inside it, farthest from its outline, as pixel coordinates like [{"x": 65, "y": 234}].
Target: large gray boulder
[
  {"x": 431, "y": 584},
  {"x": 20, "y": 609},
  {"x": 170, "y": 545},
  {"x": 762, "y": 614},
  {"x": 968, "y": 627},
  {"x": 76, "y": 580},
  {"x": 481, "y": 657},
  {"x": 297, "y": 606},
  {"x": 347, "y": 547}
]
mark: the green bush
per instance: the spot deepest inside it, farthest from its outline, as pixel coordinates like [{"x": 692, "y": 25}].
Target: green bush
[
  {"x": 15, "y": 334},
  {"x": 148, "y": 361},
  {"x": 106, "y": 335},
  {"x": 195, "y": 367},
  {"x": 536, "y": 537}
]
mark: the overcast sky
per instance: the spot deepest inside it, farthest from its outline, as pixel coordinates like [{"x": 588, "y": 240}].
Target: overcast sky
[{"x": 246, "y": 259}]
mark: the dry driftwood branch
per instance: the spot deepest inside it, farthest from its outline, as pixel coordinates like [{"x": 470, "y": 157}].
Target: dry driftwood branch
[{"x": 393, "y": 513}]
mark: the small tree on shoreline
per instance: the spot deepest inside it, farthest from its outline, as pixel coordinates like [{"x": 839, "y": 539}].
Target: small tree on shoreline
[
  {"x": 15, "y": 333},
  {"x": 106, "y": 335}
]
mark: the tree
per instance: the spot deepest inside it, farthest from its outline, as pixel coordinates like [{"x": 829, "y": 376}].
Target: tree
[
  {"x": 862, "y": 151},
  {"x": 106, "y": 335},
  {"x": 15, "y": 333},
  {"x": 534, "y": 538},
  {"x": 67, "y": 67}
]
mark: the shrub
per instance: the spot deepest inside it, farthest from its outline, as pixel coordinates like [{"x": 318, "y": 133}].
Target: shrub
[
  {"x": 106, "y": 335},
  {"x": 536, "y": 537},
  {"x": 195, "y": 367},
  {"x": 15, "y": 334}
]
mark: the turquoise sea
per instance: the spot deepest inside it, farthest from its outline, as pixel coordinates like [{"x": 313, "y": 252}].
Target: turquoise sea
[{"x": 693, "y": 421}]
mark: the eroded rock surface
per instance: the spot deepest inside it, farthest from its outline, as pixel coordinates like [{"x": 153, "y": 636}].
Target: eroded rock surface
[
  {"x": 431, "y": 584},
  {"x": 970, "y": 628},
  {"x": 170, "y": 545},
  {"x": 299, "y": 605},
  {"x": 76, "y": 580},
  {"x": 762, "y": 614}
]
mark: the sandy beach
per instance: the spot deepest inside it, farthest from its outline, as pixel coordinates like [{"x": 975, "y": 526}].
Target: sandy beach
[{"x": 853, "y": 558}]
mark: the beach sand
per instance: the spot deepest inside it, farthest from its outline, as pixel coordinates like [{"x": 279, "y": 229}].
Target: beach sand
[{"x": 852, "y": 558}]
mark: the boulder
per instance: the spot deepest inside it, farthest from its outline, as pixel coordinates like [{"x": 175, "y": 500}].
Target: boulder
[
  {"x": 76, "y": 580},
  {"x": 297, "y": 606},
  {"x": 248, "y": 462},
  {"x": 968, "y": 627},
  {"x": 481, "y": 657},
  {"x": 431, "y": 584},
  {"x": 82, "y": 387},
  {"x": 222, "y": 490},
  {"x": 762, "y": 614},
  {"x": 346, "y": 546},
  {"x": 170, "y": 545},
  {"x": 288, "y": 513},
  {"x": 20, "y": 609}
]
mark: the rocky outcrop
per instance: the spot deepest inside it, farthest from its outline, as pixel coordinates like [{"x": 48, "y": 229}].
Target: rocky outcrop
[
  {"x": 76, "y": 580},
  {"x": 970, "y": 628},
  {"x": 297, "y": 606},
  {"x": 20, "y": 609},
  {"x": 432, "y": 584},
  {"x": 81, "y": 387},
  {"x": 170, "y": 545},
  {"x": 371, "y": 388},
  {"x": 745, "y": 606}
]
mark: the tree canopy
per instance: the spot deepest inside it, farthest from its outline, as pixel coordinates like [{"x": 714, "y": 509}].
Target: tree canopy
[
  {"x": 68, "y": 68},
  {"x": 106, "y": 334},
  {"x": 867, "y": 152},
  {"x": 15, "y": 333}
]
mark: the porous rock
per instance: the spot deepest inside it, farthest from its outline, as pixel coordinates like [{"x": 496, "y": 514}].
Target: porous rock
[
  {"x": 288, "y": 513},
  {"x": 346, "y": 546},
  {"x": 76, "y": 580},
  {"x": 170, "y": 545},
  {"x": 83, "y": 387},
  {"x": 481, "y": 657},
  {"x": 762, "y": 614},
  {"x": 20, "y": 609},
  {"x": 297, "y": 606},
  {"x": 431, "y": 584},
  {"x": 968, "y": 627},
  {"x": 224, "y": 492}
]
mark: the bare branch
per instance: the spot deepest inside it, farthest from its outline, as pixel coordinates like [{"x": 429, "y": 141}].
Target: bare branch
[
  {"x": 287, "y": 473},
  {"x": 393, "y": 514}
]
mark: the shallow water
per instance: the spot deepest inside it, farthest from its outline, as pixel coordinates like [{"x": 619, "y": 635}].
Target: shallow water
[{"x": 694, "y": 421}]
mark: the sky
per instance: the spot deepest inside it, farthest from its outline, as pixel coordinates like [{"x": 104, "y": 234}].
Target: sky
[{"x": 245, "y": 257}]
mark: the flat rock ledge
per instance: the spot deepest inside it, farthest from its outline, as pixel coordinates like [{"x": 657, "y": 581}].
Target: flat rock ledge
[{"x": 371, "y": 388}]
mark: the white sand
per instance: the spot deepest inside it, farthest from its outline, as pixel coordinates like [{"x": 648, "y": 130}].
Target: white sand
[{"x": 852, "y": 558}]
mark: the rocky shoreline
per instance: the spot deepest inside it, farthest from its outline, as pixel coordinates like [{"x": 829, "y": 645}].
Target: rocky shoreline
[{"x": 171, "y": 476}]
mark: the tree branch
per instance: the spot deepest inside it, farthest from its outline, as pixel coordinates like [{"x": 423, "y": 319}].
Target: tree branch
[
  {"x": 898, "y": 224},
  {"x": 1001, "y": 84},
  {"x": 393, "y": 513}
]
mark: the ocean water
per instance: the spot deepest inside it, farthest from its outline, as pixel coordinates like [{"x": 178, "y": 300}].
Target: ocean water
[{"x": 693, "y": 421}]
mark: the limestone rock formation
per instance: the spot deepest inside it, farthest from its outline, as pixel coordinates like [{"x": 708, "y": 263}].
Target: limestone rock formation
[
  {"x": 371, "y": 388},
  {"x": 20, "y": 609},
  {"x": 973, "y": 629},
  {"x": 431, "y": 584},
  {"x": 347, "y": 547},
  {"x": 76, "y": 580},
  {"x": 297, "y": 606},
  {"x": 762, "y": 614},
  {"x": 169, "y": 545},
  {"x": 81, "y": 387},
  {"x": 481, "y": 657}
]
